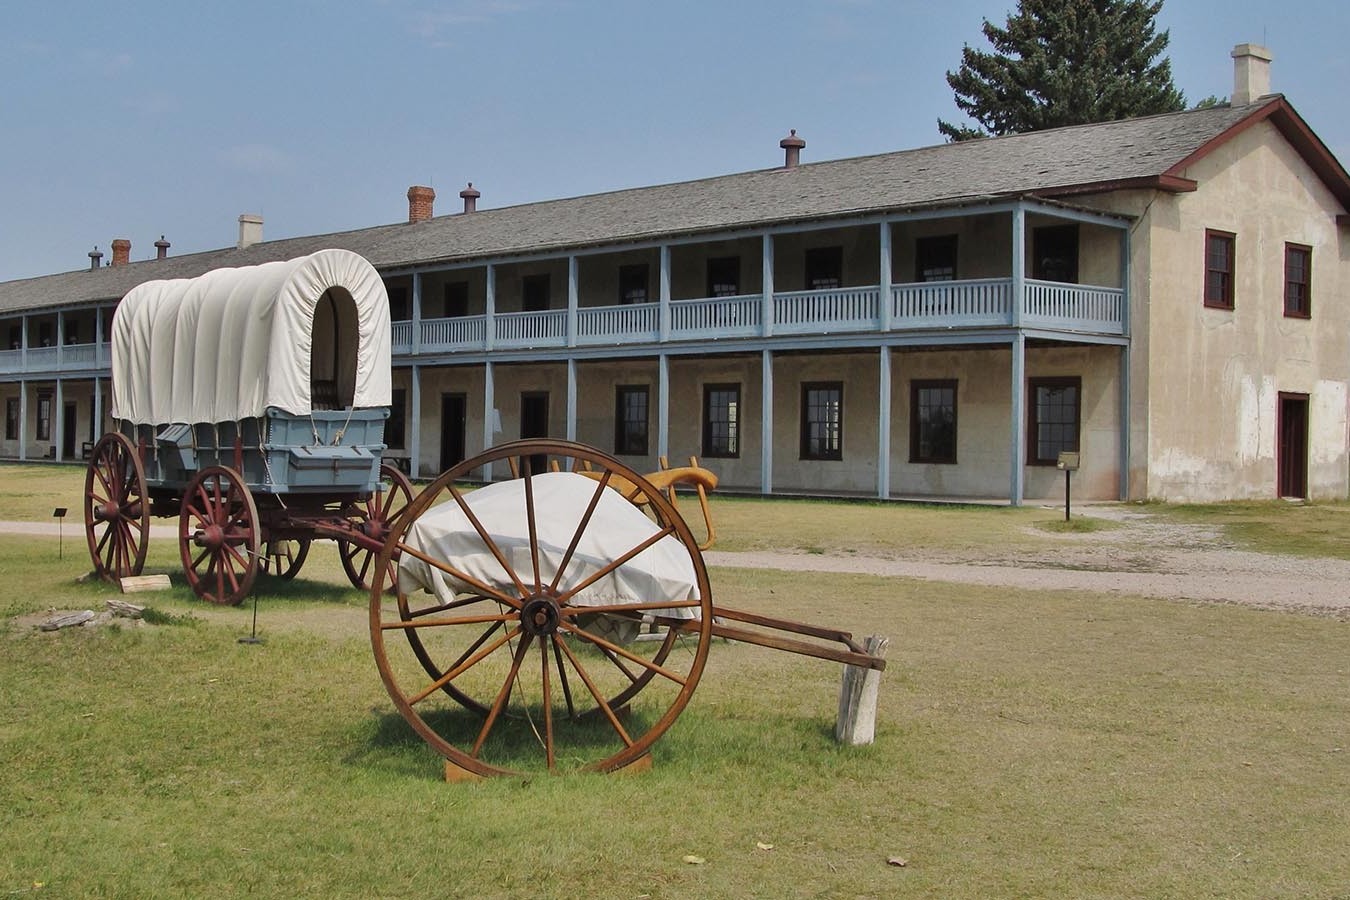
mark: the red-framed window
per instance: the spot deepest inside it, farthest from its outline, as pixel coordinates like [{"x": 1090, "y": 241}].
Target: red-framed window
[
  {"x": 1297, "y": 281},
  {"x": 1220, "y": 259}
]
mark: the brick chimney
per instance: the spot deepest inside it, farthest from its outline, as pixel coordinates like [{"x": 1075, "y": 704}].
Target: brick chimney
[
  {"x": 420, "y": 200},
  {"x": 792, "y": 150},
  {"x": 470, "y": 197},
  {"x": 121, "y": 251},
  {"x": 1251, "y": 74},
  {"x": 250, "y": 230},
  {"x": 95, "y": 259},
  {"x": 161, "y": 248}
]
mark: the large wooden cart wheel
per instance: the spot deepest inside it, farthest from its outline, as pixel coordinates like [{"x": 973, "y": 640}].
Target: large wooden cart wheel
[
  {"x": 374, "y": 518},
  {"x": 505, "y": 681},
  {"x": 283, "y": 558},
  {"x": 116, "y": 509},
  {"x": 218, "y": 534}
]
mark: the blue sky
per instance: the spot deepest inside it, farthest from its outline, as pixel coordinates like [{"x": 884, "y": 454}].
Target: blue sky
[{"x": 138, "y": 119}]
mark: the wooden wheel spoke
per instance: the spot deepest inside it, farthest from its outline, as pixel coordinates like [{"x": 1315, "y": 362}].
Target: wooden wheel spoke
[
  {"x": 562, "y": 678},
  {"x": 503, "y": 695},
  {"x": 465, "y": 577},
  {"x": 456, "y": 620},
  {"x": 574, "y": 611},
  {"x": 463, "y": 667},
  {"x": 601, "y": 642},
  {"x": 595, "y": 692},
  {"x": 487, "y": 539},
  {"x": 365, "y": 556},
  {"x": 585, "y": 522},
  {"x": 548, "y": 704},
  {"x": 197, "y": 563},
  {"x": 103, "y": 541},
  {"x": 230, "y": 551},
  {"x": 530, "y": 521},
  {"x": 613, "y": 565}
]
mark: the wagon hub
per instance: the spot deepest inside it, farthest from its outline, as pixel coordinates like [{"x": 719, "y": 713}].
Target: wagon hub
[
  {"x": 539, "y": 616},
  {"x": 107, "y": 511},
  {"x": 212, "y": 537}
]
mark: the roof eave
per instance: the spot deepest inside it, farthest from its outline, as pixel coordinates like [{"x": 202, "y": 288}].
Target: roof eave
[{"x": 1172, "y": 184}]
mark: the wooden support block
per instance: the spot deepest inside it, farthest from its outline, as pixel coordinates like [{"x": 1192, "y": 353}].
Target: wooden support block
[
  {"x": 124, "y": 609},
  {"x": 69, "y": 620},
  {"x": 135, "y": 584},
  {"x": 456, "y": 774},
  {"x": 858, "y": 698}
]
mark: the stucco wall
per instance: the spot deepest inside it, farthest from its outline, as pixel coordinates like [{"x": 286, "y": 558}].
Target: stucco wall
[{"x": 1213, "y": 376}]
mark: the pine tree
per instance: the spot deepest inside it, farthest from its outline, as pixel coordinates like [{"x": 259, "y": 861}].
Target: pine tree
[{"x": 1064, "y": 62}]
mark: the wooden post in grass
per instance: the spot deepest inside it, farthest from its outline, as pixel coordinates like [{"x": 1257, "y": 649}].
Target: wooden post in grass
[{"x": 858, "y": 698}]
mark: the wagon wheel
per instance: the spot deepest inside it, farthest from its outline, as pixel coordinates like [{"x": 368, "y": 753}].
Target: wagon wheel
[
  {"x": 283, "y": 558},
  {"x": 218, "y": 534},
  {"x": 116, "y": 510},
  {"x": 540, "y": 681},
  {"x": 374, "y": 518}
]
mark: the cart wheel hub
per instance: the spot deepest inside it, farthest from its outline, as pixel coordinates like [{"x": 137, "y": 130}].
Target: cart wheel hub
[
  {"x": 539, "y": 616},
  {"x": 106, "y": 512},
  {"x": 212, "y": 537}
]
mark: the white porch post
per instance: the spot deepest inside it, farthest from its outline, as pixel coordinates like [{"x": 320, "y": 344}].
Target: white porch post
[
  {"x": 571, "y": 399},
  {"x": 663, "y": 292},
  {"x": 23, "y": 345},
  {"x": 1017, "y": 413},
  {"x": 489, "y": 405},
  {"x": 98, "y": 340},
  {"x": 1017, "y": 402},
  {"x": 766, "y": 305},
  {"x": 765, "y": 423},
  {"x": 884, "y": 425},
  {"x": 571, "y": 301},
  {"x": 884, "y": 280},
  {"x": 59, "y": 415},
  {"x": 416, "y": 319},
  {"x": 98, "y": 410},
  {"x": 23, "y": 410},
  {"x": 663, "y": 405},
  {"x": 60, "y": 344},
  {"x": 414, "y": 415},
  {"x": 1125, "y": 364},
  {"x": 490, "y": 314}
]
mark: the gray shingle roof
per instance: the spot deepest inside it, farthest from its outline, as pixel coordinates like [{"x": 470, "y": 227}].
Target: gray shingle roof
[{"x": 945, "y": 174}]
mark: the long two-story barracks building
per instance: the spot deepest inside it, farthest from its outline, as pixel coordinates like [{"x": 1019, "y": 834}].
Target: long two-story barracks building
[{"x": 1169, "y": 296}]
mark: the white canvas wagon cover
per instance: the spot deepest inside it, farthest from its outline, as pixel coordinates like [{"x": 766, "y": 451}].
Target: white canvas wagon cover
[
  {"x": 228, "y": 344},
  {"x": 662, "y": 573}
]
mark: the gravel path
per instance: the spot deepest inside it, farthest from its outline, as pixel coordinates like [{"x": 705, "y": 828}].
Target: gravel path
[{"x": 1144, "y": 557}]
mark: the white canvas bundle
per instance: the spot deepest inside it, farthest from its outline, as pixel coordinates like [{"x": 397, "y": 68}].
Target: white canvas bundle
[
  {"x": 229, "y": 344},
  {"x": 662, "y": 573}
]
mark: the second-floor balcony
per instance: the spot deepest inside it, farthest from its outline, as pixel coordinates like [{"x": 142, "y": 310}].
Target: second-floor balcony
[
  {"x": 70, "y": 358},
  {"x": 983, "y": 303}
]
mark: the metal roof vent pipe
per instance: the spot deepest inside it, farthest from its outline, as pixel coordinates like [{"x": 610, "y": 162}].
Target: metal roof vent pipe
[
  {"x": 1251, "y": 74},
  {"x": 161, "y": 248},
  {"x": 470, "y": 197},
  {"x": 95, "y": 259},
  {"x": 792, "y": 150},
  {"x": 121, "y": 251},
  {"x": 250, "y": 230},
  {"x": 420, "y": 200}
]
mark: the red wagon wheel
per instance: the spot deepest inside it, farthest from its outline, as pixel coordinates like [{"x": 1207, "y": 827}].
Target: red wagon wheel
[
  {"x": 283, "y": 558},
  {"x": 116, "y": 510},
  {"x": 374, "y": 518},
  {"x": 501, "y": 680},
  {"x": 218, "y": 534}
]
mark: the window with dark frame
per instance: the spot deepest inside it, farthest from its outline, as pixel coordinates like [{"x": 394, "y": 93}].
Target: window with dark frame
[
  {"x": 935, "y": 258},
  {"x": 395, "y": 426},
  {"x": 724, "y": 276},
  {"x": 534, "y": 292},
  {"x": 721, "y": 420},
  {"x": 1054, "y": 253},
  {"x": 16, "y": 337},
  {"x": 630, "y": 419},
  {"x": 824, "y": 268},
  {"x": 12, "y": 409},
  {"x": 633, "y": 283},
  {"x": 456, "y": 299},
  {"x": 1220, "y": 254},
  {"x": 1297, "y": 281},
  {"x": 822, "y": 420},
  {"x": 932, "y": 421},
  {"x": 44, "y": 417},
  {"x": 1053, "y": 419},
  {"x": 398, "y": 304}
]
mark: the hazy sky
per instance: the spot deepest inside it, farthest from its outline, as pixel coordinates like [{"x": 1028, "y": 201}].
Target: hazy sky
[{"x": 136, "y": 119}]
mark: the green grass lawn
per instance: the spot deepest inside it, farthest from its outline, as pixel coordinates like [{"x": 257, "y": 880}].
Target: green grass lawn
[{"x": 1057, "y": 744}]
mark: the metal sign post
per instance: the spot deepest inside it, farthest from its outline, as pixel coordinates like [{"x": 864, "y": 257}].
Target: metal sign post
[
  {"x": 1068, "y": 461},
  {"x": 59, "y": 514}
]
